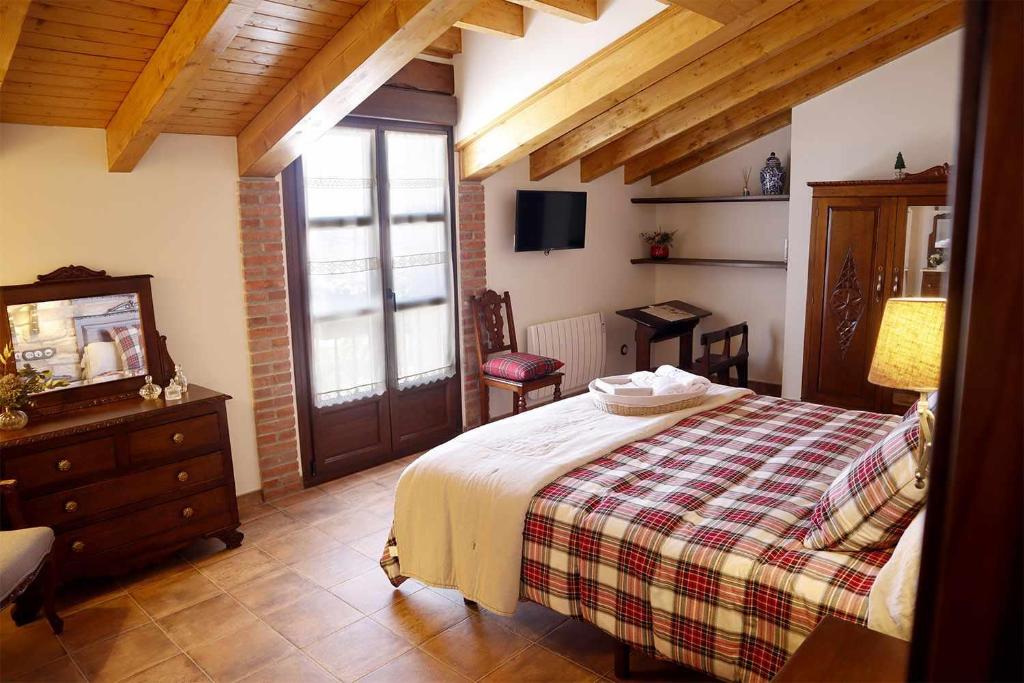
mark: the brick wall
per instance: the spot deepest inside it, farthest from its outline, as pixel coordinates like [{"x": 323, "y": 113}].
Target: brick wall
[
  {"x": 472, "y": 281},
  {"x": 270, "y": 356}
]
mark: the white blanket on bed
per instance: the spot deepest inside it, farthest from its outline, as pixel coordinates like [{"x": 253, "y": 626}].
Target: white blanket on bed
[{"x": 460, "y": 508}]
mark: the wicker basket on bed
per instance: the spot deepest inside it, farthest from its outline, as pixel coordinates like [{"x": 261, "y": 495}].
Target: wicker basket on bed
[{"x": 639, "y": 406}]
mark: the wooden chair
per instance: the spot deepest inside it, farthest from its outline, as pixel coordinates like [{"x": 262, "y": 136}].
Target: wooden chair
[
  {"x": 27, "y": 574},
  {"x": 717, "y": 366},
  {"x": 490, "y": 339}
]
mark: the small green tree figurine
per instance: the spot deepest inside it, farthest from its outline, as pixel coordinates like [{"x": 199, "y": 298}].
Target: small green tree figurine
[{"x": 900, "y": 166}]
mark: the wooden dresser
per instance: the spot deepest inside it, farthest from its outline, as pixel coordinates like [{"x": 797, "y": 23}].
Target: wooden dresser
[{"x": 127, "y": 482}]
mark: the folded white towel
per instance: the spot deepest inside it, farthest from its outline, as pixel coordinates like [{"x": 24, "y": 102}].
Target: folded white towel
[
  {"x": 643, "y": 378},
  {"x": 682, "y": 376},
  {"x": 668, "y": 385},
  {"x": 622, "y": 388}
]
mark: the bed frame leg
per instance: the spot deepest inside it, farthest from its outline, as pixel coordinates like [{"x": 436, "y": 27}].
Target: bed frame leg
[{"x": 621, "y": 660}]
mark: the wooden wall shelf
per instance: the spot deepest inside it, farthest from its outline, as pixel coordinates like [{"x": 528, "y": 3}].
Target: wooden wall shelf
[
  {"x": 724, "y": 262},
  {"x": 712, "y": 200}
]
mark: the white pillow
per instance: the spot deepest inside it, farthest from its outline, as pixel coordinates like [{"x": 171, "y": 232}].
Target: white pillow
[
  {"x": 99, "y": 358},
  {"x": 894, "y": 592}
]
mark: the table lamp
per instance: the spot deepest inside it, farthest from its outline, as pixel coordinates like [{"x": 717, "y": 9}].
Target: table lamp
[{"x": 908, "y": 355}]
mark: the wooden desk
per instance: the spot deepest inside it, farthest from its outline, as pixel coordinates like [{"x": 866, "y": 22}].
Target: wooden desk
[
  {"x": 839, "y": 650},
  {"x": 651, "y": 329}
]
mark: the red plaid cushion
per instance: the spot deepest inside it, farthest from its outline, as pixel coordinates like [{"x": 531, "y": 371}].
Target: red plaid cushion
[
  {"x": 129, "y": 341},
  {"x": 521, "y": 367},
  {"x": 872, "y": 501}
]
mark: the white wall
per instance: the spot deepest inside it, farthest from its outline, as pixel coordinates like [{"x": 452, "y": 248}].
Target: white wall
[
  {"x": 493, "y": 73},
  {"x": 854, "y": 132},
  {"x": 598, "y": 278},
  {"x": 175, "y": 217},
  {"x": 754, "y": 231}
]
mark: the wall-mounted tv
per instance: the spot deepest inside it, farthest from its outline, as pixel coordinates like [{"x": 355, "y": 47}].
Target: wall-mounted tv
[{"x": 550, "y": 220}]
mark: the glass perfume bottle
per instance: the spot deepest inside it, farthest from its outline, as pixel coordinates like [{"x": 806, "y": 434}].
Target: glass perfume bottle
[
  {"x": 150, "y": 391},
  {"x": 180, "y": 378},
  {"x": 173, "y": 391}
]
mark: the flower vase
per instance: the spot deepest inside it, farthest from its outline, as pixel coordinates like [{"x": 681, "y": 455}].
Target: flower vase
[
  {"x": 659, "y": 251},
  {"x": 12, "y": 418}
]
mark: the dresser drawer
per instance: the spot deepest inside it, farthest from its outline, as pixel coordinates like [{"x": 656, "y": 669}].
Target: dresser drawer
[
  {"x": 183, "y": 437},
  {"x": 84, "y": 501},
  {"x": 182, "y": 518},
  {"x": 59, "y": 465}
]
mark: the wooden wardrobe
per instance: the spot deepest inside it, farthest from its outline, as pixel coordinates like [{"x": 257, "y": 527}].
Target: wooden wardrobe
[{"x": 870, "y": 240}]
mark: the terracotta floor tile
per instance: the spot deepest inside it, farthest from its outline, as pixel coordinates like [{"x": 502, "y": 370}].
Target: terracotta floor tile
[
  {"x": 86, "y": 593},
  {"x": 178, "y": 669},
  {"x": 287, "y": 501},
  {"x": 241, "y": 653},
  {"x": 337, "y": 485},
  {"x": 156, "y": 573},
  {"x": 300, "y": 544},
  {"x": 214, "y": 618},
  {"x": 584, "y": 644},
  {"x": 354, "y": 524},
  {"x": 449, "y": 594},
  {"x": 297, "y": 668},
  {"x": 124, "y": 655},
  {"x": 26, "y": 648},
  {"x": 273, "y": 591},
  {"x": 250, "y": 512},
  {"x": 176, "y": 593},
  {"x": 206, "y": 551},
  {"x": 643, "y": 669},
  {"x": 313, "y": 617},
  {"x": 390, "y": 480},
  {"x": 415, "y": 665},
  {"x": 475, "y": 646},
  {"x": 335, "y": 566},
  {"x": 372, "y": 544},
  {"x": 61, "y": 670},
  {"x": 365, "y": 494},
  {"x": 268, "y": 528},
  {"x": 101, "y": 621},
  {"x": 357, "y": 649},
  {"x": 316, "y": 509},
  {"x": 420, "y": 616},
  {"x": 372, "y": 591},
  {"x": 537, "y": 665},
  {"x": 240, "y": 568},
  {"x": 531, "y": 620}
]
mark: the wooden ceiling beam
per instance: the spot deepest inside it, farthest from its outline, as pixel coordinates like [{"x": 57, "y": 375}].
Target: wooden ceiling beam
[
  {"x": 574, "y": 10},
  {"x": 777, "y": 25},
  {"x": 831, "y": 44},
  {"x": 447, "y": 45},
  {"x": 643, "y": 56},
  {"x": 724, "y": 145},
  {"x": 199, "y": 34},
  {"x": 12, "y": 18},
  {"x": 379, "y": 40},
  {"x": 497, "y": 17},
  {"x": 719, "y": 10},
  {"x": 662, "y": 161}
]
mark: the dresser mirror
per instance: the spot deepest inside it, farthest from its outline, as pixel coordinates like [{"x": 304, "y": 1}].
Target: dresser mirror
[
  {"x": 926, "y": 256},
  {"x": 95, "y": 333}
]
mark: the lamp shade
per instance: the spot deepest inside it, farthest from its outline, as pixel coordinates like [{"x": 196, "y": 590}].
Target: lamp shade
[{"x": 908, "y": 354}]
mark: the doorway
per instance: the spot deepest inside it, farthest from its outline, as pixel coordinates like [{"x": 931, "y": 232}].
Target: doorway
[{"x": 368, "y": 227}]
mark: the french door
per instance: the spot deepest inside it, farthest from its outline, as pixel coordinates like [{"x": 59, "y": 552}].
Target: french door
[{"x": 368, "y": 222}]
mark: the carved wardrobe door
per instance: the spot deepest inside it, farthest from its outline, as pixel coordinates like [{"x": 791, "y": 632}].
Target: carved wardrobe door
[{"x": 848, "y": 279}]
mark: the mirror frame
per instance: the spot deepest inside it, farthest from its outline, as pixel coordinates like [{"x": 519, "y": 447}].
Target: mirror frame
[{"x": 76, "y": 282}]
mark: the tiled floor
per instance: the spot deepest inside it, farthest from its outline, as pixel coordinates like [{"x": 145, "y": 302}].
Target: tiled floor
[{"x": 303, "y": 599}]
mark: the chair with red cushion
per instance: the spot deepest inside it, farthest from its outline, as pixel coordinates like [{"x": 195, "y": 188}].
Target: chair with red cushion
[{"x": 517, "y": 372}]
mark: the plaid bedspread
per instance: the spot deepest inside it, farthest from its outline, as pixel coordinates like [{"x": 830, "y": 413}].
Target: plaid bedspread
[{"x": 687, "y": 545}]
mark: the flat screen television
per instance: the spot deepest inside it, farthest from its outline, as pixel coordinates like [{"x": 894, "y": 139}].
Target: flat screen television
[{"x": 550, "y": 220}]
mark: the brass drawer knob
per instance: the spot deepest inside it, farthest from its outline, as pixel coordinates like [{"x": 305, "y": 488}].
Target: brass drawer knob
[
  {"x": 178, "y": 438},
  {"x": 77, "y": 546},
  {"x": 183, "y": 476},
  {"x": 63, "y": 465},
  {"x": 70, "y": 506},
  {"x": 187, "y": 512}
]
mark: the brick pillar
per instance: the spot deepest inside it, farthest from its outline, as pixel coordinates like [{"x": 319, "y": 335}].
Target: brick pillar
[
  {"x": 269, "y": 332},
  {"x": 472, "y": 281}
]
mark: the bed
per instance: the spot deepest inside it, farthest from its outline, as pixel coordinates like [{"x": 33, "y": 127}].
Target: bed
[{"x": 685, "y": 543}]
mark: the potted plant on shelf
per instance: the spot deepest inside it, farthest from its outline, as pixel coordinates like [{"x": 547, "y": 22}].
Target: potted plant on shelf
[
  {"x": 660, "y": 241},
  {"x": 16, "y": 389}
]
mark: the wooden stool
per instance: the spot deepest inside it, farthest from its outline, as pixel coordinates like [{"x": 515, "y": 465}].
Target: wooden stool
[
  {"x": 490, "y": 338},
  {"x": 716, "y": 366}
]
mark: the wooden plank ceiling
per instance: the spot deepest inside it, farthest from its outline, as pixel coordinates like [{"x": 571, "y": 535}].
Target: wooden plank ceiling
[{"x": 697, "y": 80}]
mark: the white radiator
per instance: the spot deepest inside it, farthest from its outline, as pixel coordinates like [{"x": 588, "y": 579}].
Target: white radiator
[{"x": 578, "y": 342}]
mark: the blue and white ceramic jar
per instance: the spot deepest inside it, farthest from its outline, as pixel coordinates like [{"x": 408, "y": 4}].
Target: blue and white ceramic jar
[{"x": 773, "y": 176}]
